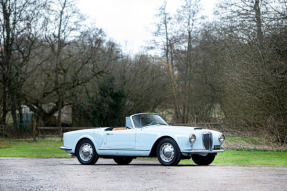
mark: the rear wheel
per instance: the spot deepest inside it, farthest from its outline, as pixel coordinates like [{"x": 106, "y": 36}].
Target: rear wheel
[
  {"x": 203, "y": 160},
  {"x": 123, "y": 160},
  {"x": 168, "y": 152},
  {"x": 86, "y": 152}
]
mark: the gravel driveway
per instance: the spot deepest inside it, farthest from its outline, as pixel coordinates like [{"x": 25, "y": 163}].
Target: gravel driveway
[{"x": 68, "y": 174}]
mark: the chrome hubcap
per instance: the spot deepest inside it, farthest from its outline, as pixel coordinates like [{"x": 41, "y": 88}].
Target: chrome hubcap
[
  {"x": 86, "y": 151},
  {"x": 166, "y": 152}
]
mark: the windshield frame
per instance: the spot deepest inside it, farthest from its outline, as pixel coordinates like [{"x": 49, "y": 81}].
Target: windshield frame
[{"x": 149, "y": 117}]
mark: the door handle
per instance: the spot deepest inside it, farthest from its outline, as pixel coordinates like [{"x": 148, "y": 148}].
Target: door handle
[{"x": 109, "y": 133}]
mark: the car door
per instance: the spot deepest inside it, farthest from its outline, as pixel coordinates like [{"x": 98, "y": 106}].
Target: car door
[
  {"x": 145, "y": 138},
  {"x": 120, "y": 140}
]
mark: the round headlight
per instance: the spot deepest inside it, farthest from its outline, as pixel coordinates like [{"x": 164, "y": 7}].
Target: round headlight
[
  {"x": 192, "y": 138},
  {"x": 221, "y": 138}
]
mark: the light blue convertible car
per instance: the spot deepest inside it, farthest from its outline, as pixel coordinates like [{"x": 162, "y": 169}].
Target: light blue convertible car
[{"x": 145, "y": 135}]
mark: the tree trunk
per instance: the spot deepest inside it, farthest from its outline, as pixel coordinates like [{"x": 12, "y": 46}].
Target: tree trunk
[
  {"x": 35, "y": 122},
  {"x": 4, "y": 102},
  {"x": 170, "y": 67},
  {"x": 258, "y": 22},
  {"x": 8, "y": 40},
  {"x": 14, "y": 113},
  {"x": 21, "y": 122},
  {"x": 59, "y": 120}
]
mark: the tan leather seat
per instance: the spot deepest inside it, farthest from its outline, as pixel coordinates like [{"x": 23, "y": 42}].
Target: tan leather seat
[{"x": 119, "y": 128}]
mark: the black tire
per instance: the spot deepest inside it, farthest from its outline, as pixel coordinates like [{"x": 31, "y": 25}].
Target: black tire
[
  {"x": 168, "y": 152},
  {"x": 203, "y": 160},
  {"x": 123, "y": 160},
  {"x": 86, "y": 152}
]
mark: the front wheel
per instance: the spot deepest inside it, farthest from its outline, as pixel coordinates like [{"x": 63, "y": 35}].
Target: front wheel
[
  {"x": 123, "y": 160},
  {"x": 168, "y": 152},
  {"x": 86, "y": 152},
  {"x": 203, "y": 160}
]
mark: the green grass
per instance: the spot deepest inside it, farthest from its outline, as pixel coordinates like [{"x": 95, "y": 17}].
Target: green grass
[
  {"x": 43, "y": 148},
  {"x": 249, "y": 142},
  {"x": 249, "y": 157},
  {"x": 245, "y": 139},
  {"x": 49, "y": 147}
]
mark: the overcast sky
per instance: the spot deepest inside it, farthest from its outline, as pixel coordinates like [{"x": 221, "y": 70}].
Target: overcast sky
[{"x": 128, "y": 22}]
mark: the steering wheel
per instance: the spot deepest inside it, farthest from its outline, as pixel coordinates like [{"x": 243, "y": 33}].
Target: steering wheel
[{"x": 151, "y": 123}]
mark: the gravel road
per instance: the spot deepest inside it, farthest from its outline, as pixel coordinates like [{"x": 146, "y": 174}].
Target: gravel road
[{"x": 68, "y": 174}]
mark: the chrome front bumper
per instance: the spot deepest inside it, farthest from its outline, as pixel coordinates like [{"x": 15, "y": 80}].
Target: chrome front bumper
[
  {"x": 65, "y": 148},
  {"x": 203, "y": 151}
]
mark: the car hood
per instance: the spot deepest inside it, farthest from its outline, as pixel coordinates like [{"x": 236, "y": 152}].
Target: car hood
[
  {"x": 173, "y": 128},
  {"x": 178, "y": 130}
]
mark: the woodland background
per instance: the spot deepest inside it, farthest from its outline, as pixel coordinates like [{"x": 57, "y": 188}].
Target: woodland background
[{"x": 230, "y": 70}]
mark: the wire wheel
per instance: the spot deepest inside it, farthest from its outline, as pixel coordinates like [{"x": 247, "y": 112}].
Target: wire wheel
[
  {"x": 86, "y": 152},
  {"x": 166, "y": 152}
]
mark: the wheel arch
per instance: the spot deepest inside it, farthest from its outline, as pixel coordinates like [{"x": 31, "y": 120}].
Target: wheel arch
[
  {"x": 154, "y": 147},
  {"x": 83, "y": 138}
]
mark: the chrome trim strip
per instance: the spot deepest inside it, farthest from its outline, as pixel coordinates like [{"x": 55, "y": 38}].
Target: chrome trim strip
[
  {"x": 65, "y": 148},
  {"x": 122, "y": 150},
  {"x": 203, "y": 151}
]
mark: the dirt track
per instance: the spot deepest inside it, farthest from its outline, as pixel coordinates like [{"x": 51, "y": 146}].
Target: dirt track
[{"x": 68, "y": 174}]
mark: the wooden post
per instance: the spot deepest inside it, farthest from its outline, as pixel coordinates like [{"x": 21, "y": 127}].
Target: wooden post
[
  {"x": 2, "y": 127},
  {"x": 34, "y": 121}
]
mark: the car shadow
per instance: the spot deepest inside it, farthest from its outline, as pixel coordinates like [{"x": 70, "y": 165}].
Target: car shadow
[{"x": 139, "y": 164}]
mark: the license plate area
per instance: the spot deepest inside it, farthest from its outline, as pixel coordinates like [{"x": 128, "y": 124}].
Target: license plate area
[{"x": 216, "y": 147}]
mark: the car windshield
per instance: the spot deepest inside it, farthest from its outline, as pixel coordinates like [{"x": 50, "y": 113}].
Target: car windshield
[{"x": 142, "y": 120}]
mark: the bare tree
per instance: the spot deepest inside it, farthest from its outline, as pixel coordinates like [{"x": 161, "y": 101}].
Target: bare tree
[
  {"x": 164, "y": 33},
  {"x": 177, "y": 33},
  {"x": 82, "y": 60},
  {"x": 187, "y": 17},
  {"x": 256, "y": 87},
  {"x": 18, "y": 21}
]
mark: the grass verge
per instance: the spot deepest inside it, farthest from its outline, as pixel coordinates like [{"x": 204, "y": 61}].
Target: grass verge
[
  {"x": 253, "y": 142},
  {"x": 43, "y": 148},
  {"x": 49, "y": 147},
  {"x": 249, "y": 157}
]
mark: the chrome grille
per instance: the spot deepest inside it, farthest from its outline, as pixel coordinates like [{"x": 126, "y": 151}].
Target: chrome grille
[{"x": 207, "y": 140}]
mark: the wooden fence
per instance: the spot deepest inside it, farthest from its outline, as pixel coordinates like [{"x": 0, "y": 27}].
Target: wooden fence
[
  {"x": 58, "y": 131},
  {"x": 227, "y": 129}
]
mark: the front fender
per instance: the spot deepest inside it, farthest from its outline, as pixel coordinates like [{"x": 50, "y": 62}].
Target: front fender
[
  {"x": 86, "y": 137},
  {"x": 147, "y": 141},
  {"x": 71, "y": 139}
]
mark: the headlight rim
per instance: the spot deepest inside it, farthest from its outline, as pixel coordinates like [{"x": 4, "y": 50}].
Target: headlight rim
[
  {"x": 192, "y": 136},
  {"x": 220, "y": 137}
]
